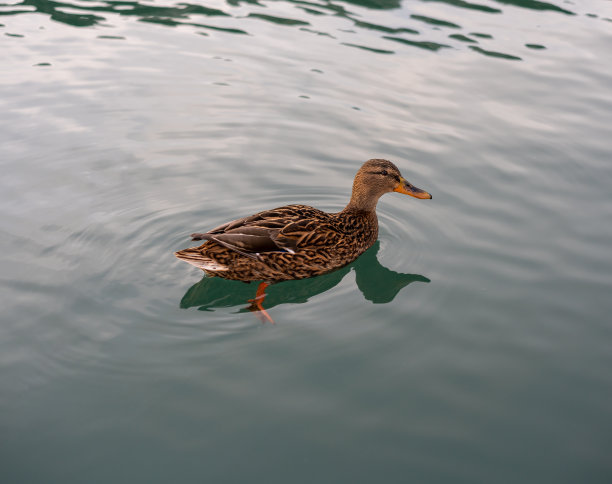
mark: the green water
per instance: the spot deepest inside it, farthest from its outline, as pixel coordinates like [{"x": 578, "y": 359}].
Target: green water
[{"x": 471, "y": 344}]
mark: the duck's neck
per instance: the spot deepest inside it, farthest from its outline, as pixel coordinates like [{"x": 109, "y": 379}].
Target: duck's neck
[
  {"x": 360, "y": 223},
  {"x": 362, "y": 206},
  {"x": 362, "y": 201},
  {"x": 354, "y": 216}
]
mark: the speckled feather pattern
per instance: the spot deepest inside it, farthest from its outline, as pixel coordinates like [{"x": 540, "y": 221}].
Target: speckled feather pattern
[{"x": 323, "y": 242}]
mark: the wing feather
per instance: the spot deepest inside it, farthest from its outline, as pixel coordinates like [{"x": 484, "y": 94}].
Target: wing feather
[{"x": 284, "y": 229}]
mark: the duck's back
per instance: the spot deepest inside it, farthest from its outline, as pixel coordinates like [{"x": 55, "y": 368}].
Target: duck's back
[{"x": 289, "y": 242}]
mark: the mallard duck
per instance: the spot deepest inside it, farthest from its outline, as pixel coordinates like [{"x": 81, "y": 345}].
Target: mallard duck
[{"x": 298, "y": 241}]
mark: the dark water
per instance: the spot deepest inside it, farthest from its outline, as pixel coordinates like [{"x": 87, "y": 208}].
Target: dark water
[{"x": 471, "y": 344}]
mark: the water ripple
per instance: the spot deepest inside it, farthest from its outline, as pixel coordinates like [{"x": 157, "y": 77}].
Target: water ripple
[{"x": 314, "y": 14}]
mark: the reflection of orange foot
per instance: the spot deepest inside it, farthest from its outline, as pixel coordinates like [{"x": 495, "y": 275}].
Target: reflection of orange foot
[{"x": 256, "y": 304}]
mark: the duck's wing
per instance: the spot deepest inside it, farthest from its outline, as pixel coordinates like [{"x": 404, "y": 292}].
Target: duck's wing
[
  {"x": 282, "y": 229},
  {"x": 310, "y": 233}
]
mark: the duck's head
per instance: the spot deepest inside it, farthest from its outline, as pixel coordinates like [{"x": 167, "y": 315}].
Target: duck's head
[{"x": 377, "y": 177}]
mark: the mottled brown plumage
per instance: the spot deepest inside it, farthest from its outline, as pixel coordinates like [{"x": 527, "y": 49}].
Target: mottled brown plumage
[{"x": 298, "y": 241}]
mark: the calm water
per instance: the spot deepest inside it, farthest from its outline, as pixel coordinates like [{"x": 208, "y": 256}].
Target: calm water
[{"x": 472, "y": 344}]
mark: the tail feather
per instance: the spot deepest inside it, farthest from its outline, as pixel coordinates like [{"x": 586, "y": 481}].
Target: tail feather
[{"x": 195, "y": 258}]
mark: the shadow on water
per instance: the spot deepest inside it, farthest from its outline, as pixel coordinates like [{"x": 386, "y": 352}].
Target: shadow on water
[
  {"x": 100, "y": 14},
  {"x": 377, "y": 284}
]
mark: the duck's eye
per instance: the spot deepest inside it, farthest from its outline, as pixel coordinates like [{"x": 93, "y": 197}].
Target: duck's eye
[{"x": 384, "y": 173}]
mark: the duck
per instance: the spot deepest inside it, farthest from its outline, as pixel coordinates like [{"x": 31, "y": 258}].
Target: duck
[{"x": 298, "y": 241}]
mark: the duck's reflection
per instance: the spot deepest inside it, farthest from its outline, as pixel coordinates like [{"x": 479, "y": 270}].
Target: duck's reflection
[{"x": 377, "y": 284}]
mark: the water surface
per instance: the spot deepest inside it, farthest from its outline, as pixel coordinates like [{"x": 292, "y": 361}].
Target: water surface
[{"x": 471, "y": 344}]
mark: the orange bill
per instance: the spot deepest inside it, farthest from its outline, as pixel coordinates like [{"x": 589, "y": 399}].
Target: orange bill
[{"x": 408, "y": 189}]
